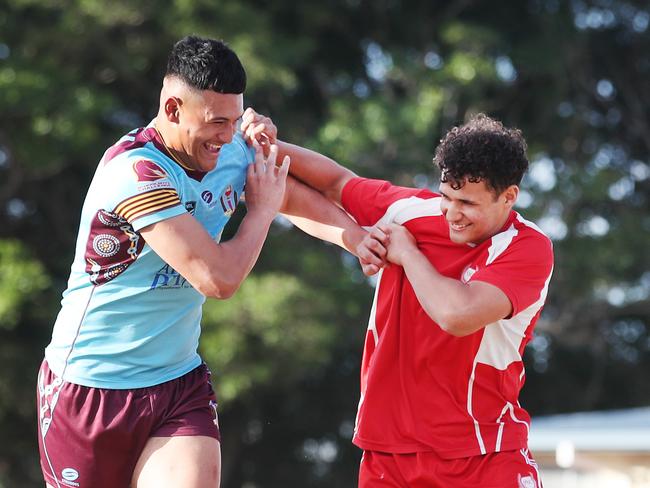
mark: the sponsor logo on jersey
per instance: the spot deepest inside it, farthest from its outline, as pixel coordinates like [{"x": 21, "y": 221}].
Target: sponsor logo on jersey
[
  {"x": 68, "y": 476},
  {"x": 207, "y": 196},
  {"x": 154, "y": 185},
  {"x": 527, "y": 481},
  {"x": 147, "y": 170},
  {"x": 190, "y": 207},
  {"x": 168, "y": 278},
  {"x": 228, "y": 200}
]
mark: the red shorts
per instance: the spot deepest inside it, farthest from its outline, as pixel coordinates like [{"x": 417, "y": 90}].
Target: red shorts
[
  {"x": 93, "y": 437},
  {"x": 508, "y": 469}
]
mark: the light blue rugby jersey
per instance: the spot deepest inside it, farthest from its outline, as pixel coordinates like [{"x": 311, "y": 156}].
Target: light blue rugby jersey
[{"x": 128, "y": 320}]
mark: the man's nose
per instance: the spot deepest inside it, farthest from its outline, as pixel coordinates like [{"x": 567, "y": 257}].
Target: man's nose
[
  {"x": 229, "y": 132},
  {"x": 452, "y": 212}
]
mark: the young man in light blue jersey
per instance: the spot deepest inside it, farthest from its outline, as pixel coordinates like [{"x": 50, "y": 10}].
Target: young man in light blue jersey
[{"x": 124, "y": 398}]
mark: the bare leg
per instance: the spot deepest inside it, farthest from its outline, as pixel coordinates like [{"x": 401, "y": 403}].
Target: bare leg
[{"x": 188, "y": 461}]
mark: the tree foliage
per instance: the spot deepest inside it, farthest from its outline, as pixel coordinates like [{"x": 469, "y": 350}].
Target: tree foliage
[{"x": 374, "y": 84}]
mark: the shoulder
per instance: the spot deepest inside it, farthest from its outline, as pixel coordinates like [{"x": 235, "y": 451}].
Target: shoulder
[
  {"x": 368, "y": 187},
  {"x": 372, "y": 201},
  {"x": 524, "y": 246},
  {"x": 236, "y": 152},
  {"x": 135, "y": 175},
  {"x": 137, "y": 163},
  {"x": 531, "y": 235}
]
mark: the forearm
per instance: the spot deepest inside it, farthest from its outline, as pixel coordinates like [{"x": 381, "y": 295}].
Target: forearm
[
  {"x": 447, "y": 301},
  {"x": 237, "y": 256},
  {"x": 316, "y": 170},
  {"x": 458, "y": 308},
  {"x": 215, "y": 270},
  {"x": 314, "y": 214}
]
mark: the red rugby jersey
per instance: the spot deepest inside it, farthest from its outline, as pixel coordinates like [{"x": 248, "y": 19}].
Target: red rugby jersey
[{"x": 422, "y": 388}]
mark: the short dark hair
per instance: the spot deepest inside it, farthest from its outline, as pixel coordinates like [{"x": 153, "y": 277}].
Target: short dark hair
[
  {"x": 482, "y": 150},
  {"x": 207, "y": 64}
]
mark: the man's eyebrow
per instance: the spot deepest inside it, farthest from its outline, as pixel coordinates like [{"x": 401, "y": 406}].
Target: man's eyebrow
[
  {"x": 221, "y": 118},
  {"x": 463, "y": 200}
]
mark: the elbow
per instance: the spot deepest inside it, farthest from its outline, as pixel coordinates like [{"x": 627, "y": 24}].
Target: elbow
[
  {"x": 456, "y": 326},
  {"x": 333, "y": 194},
  {"x": 223, "y": 293},
  {"x": 218, "y": 288},
  {"x": 454, "y": 329}
]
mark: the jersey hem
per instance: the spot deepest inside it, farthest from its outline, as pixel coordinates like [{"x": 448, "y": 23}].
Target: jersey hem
[
  {"x": 92, "y": 383},
  {"x": 407, "y": 448}
]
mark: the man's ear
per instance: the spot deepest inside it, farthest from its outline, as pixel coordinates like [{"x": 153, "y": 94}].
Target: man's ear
[
  {"x": 172, "y": 109},
  {"x": 510, "y": 195}
]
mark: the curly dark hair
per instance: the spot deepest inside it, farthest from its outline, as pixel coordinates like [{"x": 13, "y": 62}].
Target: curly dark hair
[
  {"x": 482, "y": 150},
  {"x": 207, "y": 64}
]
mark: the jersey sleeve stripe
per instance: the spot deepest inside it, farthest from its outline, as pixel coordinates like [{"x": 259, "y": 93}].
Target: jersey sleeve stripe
[
  {"x": 131, "y": 206},
  {"x": 135, "y": 207},
  {"x": 405, "y": 209},
  {"x": 150, "y": 210},
  {"x": 143, "y": 196},
  {"x": 147, "y": 209}
]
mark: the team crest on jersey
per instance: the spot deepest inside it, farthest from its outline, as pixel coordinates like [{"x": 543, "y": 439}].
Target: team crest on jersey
[
  {"x": 527, "y": 481},
  {"x": 147, "y": 170},
  {"x": 468, "y": 273},
  {"x": 190, "y": 207},
  {"x": 228, "y": 200}
]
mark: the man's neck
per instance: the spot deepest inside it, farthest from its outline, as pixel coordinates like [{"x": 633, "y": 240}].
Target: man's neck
[{"x": 172, "y": 144}]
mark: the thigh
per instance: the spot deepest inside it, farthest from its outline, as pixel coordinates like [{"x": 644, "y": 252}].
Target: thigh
[{"x": 188, "y": 461}]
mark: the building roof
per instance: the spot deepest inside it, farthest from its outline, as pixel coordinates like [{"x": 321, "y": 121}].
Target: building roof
[{"x": 613, "y": 430}]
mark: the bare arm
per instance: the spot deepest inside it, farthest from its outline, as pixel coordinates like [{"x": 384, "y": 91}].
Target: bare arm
[
  {"x": 308, "y": 205},
  {"x": 314, "y": 214},
  {"x": 458, "y": 308},
  {"x": 217, "y": 270},
  {"x": 312, "y": 168},
  {"x": 317, "y": 171},
  {"x": 328, "y": 177}
]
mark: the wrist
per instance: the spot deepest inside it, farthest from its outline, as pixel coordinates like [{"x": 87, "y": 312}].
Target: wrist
[
  {"x": 261, "y": 214},
  {"x": 352, "y": 238},
  {"x": 408, "y": 256}
]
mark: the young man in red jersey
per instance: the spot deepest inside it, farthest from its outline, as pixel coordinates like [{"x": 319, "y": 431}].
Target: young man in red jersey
[{"x": 442, "y": 366}]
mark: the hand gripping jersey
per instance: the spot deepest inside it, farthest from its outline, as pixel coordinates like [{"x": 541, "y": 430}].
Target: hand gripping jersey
[
  {"x": 128, "y": 320},
  {"x": 423, "y": 389}
]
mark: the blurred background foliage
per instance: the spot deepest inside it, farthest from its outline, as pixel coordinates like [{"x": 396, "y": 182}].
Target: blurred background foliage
[{"x": 374, "y": 84}]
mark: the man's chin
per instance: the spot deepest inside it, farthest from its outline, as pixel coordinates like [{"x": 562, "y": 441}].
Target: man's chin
[
  {"x": 209, "y": 165},
  {"x": 457, "y": 238}
]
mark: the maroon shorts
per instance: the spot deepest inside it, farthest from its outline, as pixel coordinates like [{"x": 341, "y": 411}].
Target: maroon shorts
[
  {"x": 93, "y": 437},
  {"x": 508, "y": 469}
]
